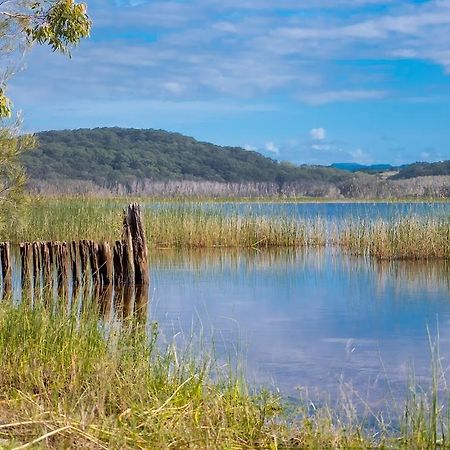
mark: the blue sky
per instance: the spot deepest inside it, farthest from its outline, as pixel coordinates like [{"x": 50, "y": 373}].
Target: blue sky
[{"x": 308, "y": 81}]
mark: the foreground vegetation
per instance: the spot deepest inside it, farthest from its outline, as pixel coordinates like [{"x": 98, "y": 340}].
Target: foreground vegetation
[{"x": 72, "y": 381}]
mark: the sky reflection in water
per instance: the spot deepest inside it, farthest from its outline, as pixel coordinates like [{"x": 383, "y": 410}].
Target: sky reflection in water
[{"x": 312, "y": 319}]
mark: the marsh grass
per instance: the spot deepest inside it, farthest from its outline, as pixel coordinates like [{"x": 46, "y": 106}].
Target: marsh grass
[
  {"x": 404, "y": 238},
  {"x": 168, "y": 225},
  {"x": 67, "y": 383},
  {"x": 73, "y": 381},
  {"x": 195, "y": 225}
]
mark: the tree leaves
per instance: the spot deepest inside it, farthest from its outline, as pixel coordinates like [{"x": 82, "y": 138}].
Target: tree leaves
[{"x": 63, "y": 25}]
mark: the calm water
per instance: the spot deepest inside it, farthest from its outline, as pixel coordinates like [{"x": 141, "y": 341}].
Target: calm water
[{"x": 309, "y": 320}]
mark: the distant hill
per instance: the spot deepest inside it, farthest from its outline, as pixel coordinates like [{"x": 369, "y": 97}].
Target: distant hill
[
  {"x": 111, "y": 156},
  {"x": 423, "y": 169},
  {"x": 120, "y": 161},
  {"x": 354, "y": 167}
]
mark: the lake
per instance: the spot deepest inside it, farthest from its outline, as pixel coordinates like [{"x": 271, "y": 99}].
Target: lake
[{"x": 312, "y": 323}]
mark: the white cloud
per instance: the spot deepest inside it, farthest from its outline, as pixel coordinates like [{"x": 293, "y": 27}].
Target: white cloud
[
  {"x": 250, "y": 147},
  {"x": 318, "y": 134},
  {"x": 272, "y": 148},
  {"x": 204, "y": 50}
]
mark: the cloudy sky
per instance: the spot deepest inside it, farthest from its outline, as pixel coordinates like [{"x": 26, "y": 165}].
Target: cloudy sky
[{"x": 308, "y": 81}]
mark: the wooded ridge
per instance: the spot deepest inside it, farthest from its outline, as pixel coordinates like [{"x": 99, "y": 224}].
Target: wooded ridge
[{"x": 157, "y": 162}]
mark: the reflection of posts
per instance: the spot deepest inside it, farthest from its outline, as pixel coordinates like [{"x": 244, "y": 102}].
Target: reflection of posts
[
  {"x": 128, "y": 301},
  {"x": 106, "y": 300},
  {"x": 141, "y": 302}
]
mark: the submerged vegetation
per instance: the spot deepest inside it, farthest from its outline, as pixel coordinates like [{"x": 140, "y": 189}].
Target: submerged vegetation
[{"x": 68, "y": 379}]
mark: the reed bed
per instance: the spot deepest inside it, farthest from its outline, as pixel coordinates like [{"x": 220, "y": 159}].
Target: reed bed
[
  {"x": 404, "y": 238},
  {"x": 193, "y": 225},
  {"x": 167, "y": 225}
]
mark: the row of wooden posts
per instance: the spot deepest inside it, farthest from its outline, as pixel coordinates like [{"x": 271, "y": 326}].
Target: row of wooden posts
[{"x": 124, "y": 263}]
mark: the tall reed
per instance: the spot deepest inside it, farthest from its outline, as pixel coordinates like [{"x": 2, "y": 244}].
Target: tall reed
[
  {"x": 403, "y": 238},
  {"x": 167, "y": 225}
]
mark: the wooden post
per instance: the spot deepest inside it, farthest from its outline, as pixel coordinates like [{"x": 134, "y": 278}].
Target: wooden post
[
  {"x": 84, "y": 260},
  {"x": 5, "y": 257},
  {"x": 128, "y": 258},
  {"x": 47, "y": 265},
  {"x": 26, "y": 263},
  {"x": 105, "y": 261},
  {"x": 93, "y": 256},
  {"x": 118, "y": 263},
  {"x": 133, "y": 223},
  {"x": 76, "y": 278},
  {"x": 62, "y": 258},
  {"x": 37, "y": 262}
]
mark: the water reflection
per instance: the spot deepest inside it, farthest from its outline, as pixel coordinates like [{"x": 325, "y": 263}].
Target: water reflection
[{"x": 309, "y": 319}]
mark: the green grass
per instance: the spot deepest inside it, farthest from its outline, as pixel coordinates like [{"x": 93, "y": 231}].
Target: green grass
[
  {"x": 73, "y": 381},
  {"x": 63, "y": 373}
]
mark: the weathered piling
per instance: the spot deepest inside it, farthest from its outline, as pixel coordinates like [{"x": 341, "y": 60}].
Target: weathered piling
[
  {"x": 83, "y": 248},
  {"x": 93, "y": 258},
  {"x": 135, "y": 226},
  {"x": 74, "y": 261},
  {"x": 128, "y": 268},
  {"x": 37, "y": 264},
  {"x": 62, "y": 267},
  {"x": 26, "y": 263},
  {"x": 47, "y": 265},
  {"x": 105, "y": 261},
  {"x": 119, "y": 270},
  {"x": 118, "y": 263},
  {"x": 5, "y": 259}
]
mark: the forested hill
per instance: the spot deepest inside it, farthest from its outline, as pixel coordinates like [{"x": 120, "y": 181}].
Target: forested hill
[
  {"x": 111, "y": 156},
  {"x": 423, "y": 169}
]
